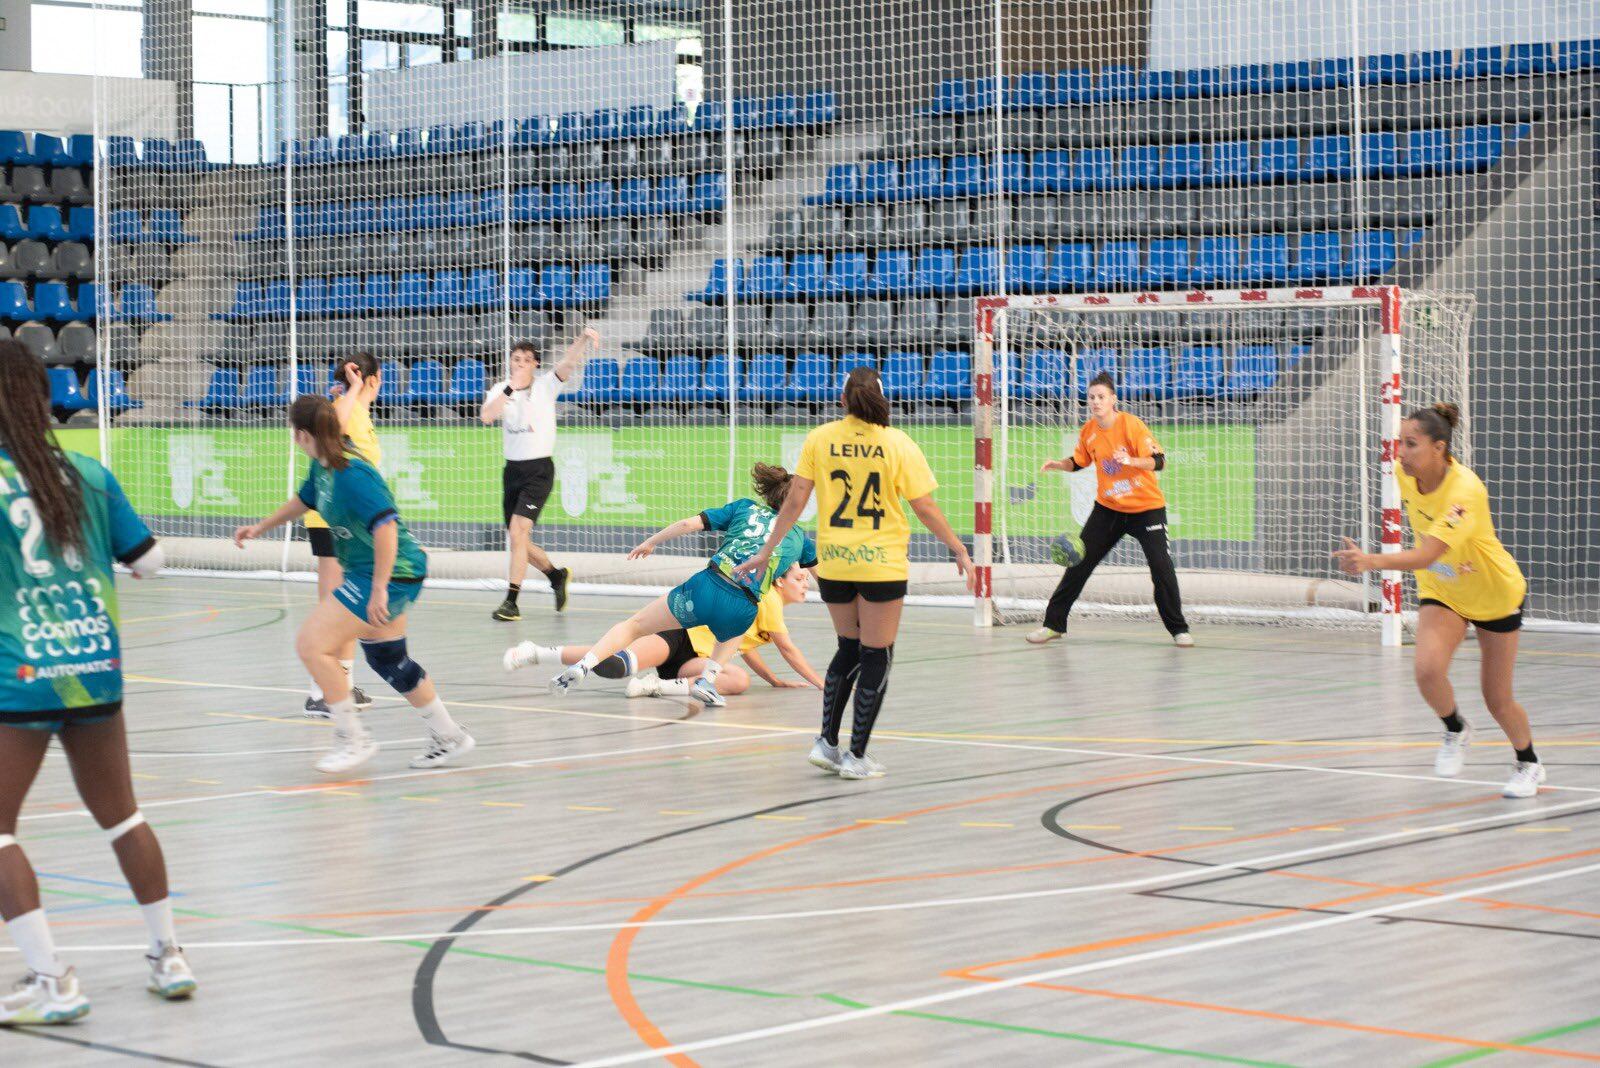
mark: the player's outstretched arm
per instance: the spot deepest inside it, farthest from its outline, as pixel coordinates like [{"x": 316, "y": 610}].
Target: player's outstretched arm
[
  {"x": 927, "y": 510},
  {"x": 1353, "y": 561},
  {"x": 585, "y": 345},
  {"x": 794, "y": 504},
  {"x": 288, "y": 512},
  {"x": 796, "y": 659},
  {"x": 677, "y": 530}
]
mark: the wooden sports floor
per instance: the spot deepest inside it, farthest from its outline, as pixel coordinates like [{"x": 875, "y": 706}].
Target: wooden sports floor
[{"x": 1106, "y": 851}]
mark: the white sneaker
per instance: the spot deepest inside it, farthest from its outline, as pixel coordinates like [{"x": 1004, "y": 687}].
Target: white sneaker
[
  {"x": 859, "y": 767},
  {"x": 44, "y": 999},
  {"x": 520, "y": 656},
  {"x": 641, "y": 687},
  {"x": 825, "y": 756},
  {"x": 1183, "y": 640},
  {"x": 442, "y": 751},
  {"x": 568, "y": 679},
  {"x": 1525, "y": 779},
  {"x": 705, "y": 691},
  {"x": 1045, "y": 634},
  {"x": 170, "y": 976},
  {"x": 1452, "y": 754},
  {"x": 348, "y": 753}
]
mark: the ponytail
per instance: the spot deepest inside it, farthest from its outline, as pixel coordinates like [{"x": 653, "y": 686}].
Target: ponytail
[
  {"x": 1438, "y": 421},
  {"x": 771, "y": 482},
  {"x": 26, "y": 434},
  {"x": 863, "y": 397},
  {"x": 315, "y": 416}
]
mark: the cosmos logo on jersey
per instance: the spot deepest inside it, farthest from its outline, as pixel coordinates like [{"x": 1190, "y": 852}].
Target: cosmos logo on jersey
[{"x": 64, "y": 619}]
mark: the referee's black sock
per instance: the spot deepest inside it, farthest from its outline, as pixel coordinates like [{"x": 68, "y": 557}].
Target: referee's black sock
[
  {"x": 511, "y": 592},
  {"x": 870, "y": 688},
  {"x": 1528, "y": 756},
  {"x": 836, "y": 687},
  {"x": 1453, "y": 722}
]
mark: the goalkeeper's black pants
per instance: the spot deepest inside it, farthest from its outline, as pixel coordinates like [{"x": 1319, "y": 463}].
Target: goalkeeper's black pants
[{"x": 1100, "y": 535}]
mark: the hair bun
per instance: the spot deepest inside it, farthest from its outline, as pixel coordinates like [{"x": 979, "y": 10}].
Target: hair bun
[{"x": 1450, "y": 413}]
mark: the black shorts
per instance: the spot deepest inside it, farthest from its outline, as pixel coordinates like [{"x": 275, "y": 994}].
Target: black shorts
[
  {"x": 525, "y": 486},
  {"x": 839, "y": 591},
  {"x": 1506, "y": 625},
  {"x": 321, "y": 539},
  {"x": 679, "y": 652}
]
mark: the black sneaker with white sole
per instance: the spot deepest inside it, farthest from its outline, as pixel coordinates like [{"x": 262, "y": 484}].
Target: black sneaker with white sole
[
  {"x": 317, "y": 708},
  {"x": 359, "y": 696},
  {"x": 558, "y": 586},
  {"x": 508, "y": 612}
]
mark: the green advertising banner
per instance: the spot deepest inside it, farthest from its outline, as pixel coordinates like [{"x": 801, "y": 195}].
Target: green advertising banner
[{"x": 649, "y": 476}]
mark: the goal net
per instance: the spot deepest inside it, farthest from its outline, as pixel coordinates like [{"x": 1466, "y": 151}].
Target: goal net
[{"x": 1277, "y": 411}]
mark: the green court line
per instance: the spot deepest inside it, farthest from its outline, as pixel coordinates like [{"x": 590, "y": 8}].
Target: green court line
[
  {"x": 1538, "y": 1036},
  {"x": 1070, "y": 1036}
]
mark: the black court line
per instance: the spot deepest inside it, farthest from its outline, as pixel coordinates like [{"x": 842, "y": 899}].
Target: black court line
[
  {"x": 101, "y": 1047},
  {"x": 190, "y": 639},
  {"x": 422, "y": 999}
]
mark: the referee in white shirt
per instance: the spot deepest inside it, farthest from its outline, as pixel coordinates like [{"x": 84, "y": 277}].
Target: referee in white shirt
[{"x": 525, "y": 407}]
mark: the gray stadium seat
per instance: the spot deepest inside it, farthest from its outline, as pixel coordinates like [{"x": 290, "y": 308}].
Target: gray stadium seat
[
  {"x": 76, "y": 342},
  {"x": 270, "y": 343},
  {"x": 950, "y": 221},
  {"x": 75, "y": 261},
  {"x": 867, "y": 225},
  {"x": 5, "y": 332},
  {"x": 68, "y": 184},
  {"x": 705, "y": 328},
  {"x": 788, "y": 327},
  {"x": 410, "y": 336},
  {"x": 40, "y": 340},
  {"x": 829, "y": 228},
  {"x": 920, "y": 322},
  {"x": 616, "y": 239},
  {"x": 955, "y": 324},
  {"x": 654, "y": 236},
  {"x": 750, "y": 325},
  {"x": 830, "y": 326},
  {"x": 7, "y": 194},
  {"x": 665, "y": 332},
  {"x": 8, "y": 265},
  {"x": 150, "y": 263},
  {"x": 786, "y": 230},
  {"x": 315, "y": 339},
  {"x": 696, "y": 154},
  {"x": 535, "y": 243},
  {"x": 874, "y": 324},
  {"x": 33, "y": 259},
  {"x": 28, "y": 183},
  {"x": 907, "y": 225}
]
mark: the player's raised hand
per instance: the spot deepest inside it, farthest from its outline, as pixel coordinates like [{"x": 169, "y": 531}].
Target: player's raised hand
[
  {"x": 1053, "y": 465},
  {"x": 244, "y": 534},
  {"x": 753, "y": 566},
  {"x": 1352, "y": 561},
  {"x": 592, "y": 336},
  {"x": 642, "y": 550}
]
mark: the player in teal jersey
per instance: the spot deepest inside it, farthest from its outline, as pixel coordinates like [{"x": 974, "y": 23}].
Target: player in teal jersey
[
  {"x": 712, "y": 598},
  {"x": 63, "y": 521},
  {"x": 383, "y": 571}
]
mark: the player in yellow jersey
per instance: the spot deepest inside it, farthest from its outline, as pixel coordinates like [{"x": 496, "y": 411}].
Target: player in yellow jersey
[
  {"x": 360, "y": 378},
  {"x": 1464, "y": 575},
  {"x": 862, "y": 469}
]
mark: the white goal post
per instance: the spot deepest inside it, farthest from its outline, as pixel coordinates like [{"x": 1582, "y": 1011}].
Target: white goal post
[{"x": 1280, "y": 413}]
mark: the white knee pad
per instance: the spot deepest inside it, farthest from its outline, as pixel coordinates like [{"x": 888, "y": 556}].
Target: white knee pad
[
  {"x": 7, "y": 840},
  {"x": 113, "y": 833}
]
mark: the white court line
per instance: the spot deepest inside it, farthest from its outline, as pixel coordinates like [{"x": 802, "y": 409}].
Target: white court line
[
  {"x": 1266, "y": 860},
  {"x": 317, "y": 788},
  {"x": 392, "y": 743},
  {"x": 979, "y": 989},
  {"x": 895, "y": 736}
]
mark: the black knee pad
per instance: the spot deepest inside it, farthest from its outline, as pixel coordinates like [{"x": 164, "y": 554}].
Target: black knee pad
[{"x": 390, "y": 663}]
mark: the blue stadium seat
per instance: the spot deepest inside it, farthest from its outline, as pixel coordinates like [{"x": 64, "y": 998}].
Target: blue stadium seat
[
  {"x": 1380, "y": 153},
  {"x": 1007, "y": 375},
  {"x": 12, "y": 227},
  {"x": 640, "y": 381},
  {"x": 14, "y": 303},
  {"x": 634, "y": 196},
  {"x": 1479, "y": 147},
  {"x": 14, "y": 147},
  {"x": 605, "y": 124},
  {"x": 1579, "y": 55},
  {"x": 377, "y": 294},
  {"x": 424, "y": 385},
  {"x": 1230, "y": 163},
  {"x": 1428, "y": 66},
  {"x": 714, "y": 377},
  {"x": 902, "y": 375},
  {"x": 979, "y": 270},
  {"x": 275, "y": 299},
  {"x": 812, "y": 379},
  {"x": 46, "y": 224},
  {"x": 158, "y": 153},
  {"x": 527, "y": 203},
  {"x": 247, "y": 301},
  {"x": 819, "y": 107},
  {"x": 1486, "y": 62},
  {"x": 1139, "y": 167},
  {"x": 671, "y": 196},
  {"x": 1318, "y": 258},
  {"x": 1199, "y": 372},
  {"x": 222, "y": 391},
  {"x": 950, "y": 375},
  {"x": 950, "y": 98},
  {"x": 310, "y": 296},
  {"x": 557, "y": 286},
  {"x": 708, "y": 193},
  {"x": 1266, "y": 259},
  {"x": 1167, "y": 263},
  {"x": 427, "y": 212},
  {"x": 1090, "y": 363},
  {"x": 935, "y": 271},
  {"x": 602, "y": 379},
  {"x": 808, "y": 275},
  {"x": 1014, "y": 172},
  {"x": 848, "y": 362},
  {"x": 1047, "y": 373},
  {"x": 262, "y": 388},
  {"x": 592, "y": 285},
  {"x": 1384, "y": 69},
  {"x": 344, "y": 295},
  {"x": 842, "y": 185},
  {"x": 1372, "y": 253},
  {"x": 762, "y": 378},
  {"x": 522, "y": 287},
  {"x": 1027, "y": 268},
  {"x": 482, "y": 289},
  {"x": 1217, "y": 263},
  {"x": 680, "y": 378},
  {"x": 891, "y": 273},
  {"x": 306, "y": 383},
  {"x": 1183, "y": 165},
  {"x": 166, "y": 225},
  {"x": 87, "y": 303},
  {"x": 922, "y": 178},
  {"x": 1071, "y": 267},
  {"x": 50, "y": 151},
  {"x": 411, "y": 291},
  {"x": 968, "y": 176},
  {"x": 52, "y": 303},
  {"x": 1092, "y": 168},
  {"x": 1277, "y": 160},
  {"x": 65, "y": 396},
  {"x": 363, "y": 217},
  {"x": 1326, "y": 157},
  {"x": 765, "y": 280},
  {"x": 468, "y": 382},
  {"x": 1117, "y": 265},
  {"x": 139, "y": 304},
  {"x": 1253, "y": 369},
  {"x": 125, "y": 225},
  {"x": 599, "y": 200},
  {"x": 716, "y": 287},
  {"x": 564, "y": 200},
  {"x": 1050, "y": 171},
  {"x": 881, "y": 180},
  {"x": 1148, "y": 374},
  {"x": 121, "y": 151}
]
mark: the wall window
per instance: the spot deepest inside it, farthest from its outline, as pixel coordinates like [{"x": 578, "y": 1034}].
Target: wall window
[
  {"x": 85, "y": 40},
  {"x": 566, "y": 30}
]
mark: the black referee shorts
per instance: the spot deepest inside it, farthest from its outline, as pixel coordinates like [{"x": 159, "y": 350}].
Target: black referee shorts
[{"x": 525, "y": 487}]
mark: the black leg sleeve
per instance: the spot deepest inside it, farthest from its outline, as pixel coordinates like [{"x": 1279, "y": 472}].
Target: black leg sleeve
[
  {"x": 1151, "y": 530},
  {"x": 1100, "y": 535},
  {"x": 870, "y": 690},
  {"x": 836, "y": 687}
]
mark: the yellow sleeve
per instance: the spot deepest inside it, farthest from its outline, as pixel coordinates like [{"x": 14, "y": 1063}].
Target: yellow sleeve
[
  {"x": 1459, "y": 518},
  {"x": 769, "y": 618},
  {"x": 913, "y": 477},
  {"x": 807, "y": 467},
  {"x": 701, "y": 639}
]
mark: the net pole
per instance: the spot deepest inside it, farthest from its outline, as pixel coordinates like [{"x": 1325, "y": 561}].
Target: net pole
[
  {"x": 291, "y": 109},
  {"x": 983, "y": 462},
  {"x": 730, "y": 271},
  {"x": 1390, "y": 400},
  {"x": 102, "y": 186}
]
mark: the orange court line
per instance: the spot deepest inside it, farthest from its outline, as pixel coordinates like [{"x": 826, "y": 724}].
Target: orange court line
[{"x": 1312, "y": 1021}]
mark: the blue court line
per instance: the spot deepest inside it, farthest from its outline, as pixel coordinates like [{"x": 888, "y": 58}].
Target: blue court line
[{"x": 96, "y": 882}]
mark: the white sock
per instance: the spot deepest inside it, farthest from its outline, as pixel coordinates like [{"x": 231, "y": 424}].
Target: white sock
[
  {"x": 316, "y": 691},
  {"x": 673, "y": 687},
  {"x": 345, "y": 718},
  {"x": 711, "y": 671},
  {"x": 31, "y": 933},
  {"x": 588, "y": 662},
  {"x": 349, "y": 670},
  {"x": 158, "y": 918},
  {"x": 437, "y": 719},
  {"x": 545, "y": 654}
]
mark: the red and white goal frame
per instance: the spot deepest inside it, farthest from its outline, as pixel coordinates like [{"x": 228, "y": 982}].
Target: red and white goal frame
[{"x": 988, "y": 314}]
